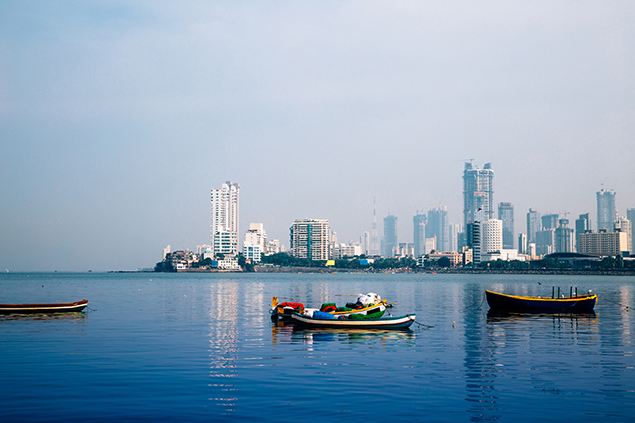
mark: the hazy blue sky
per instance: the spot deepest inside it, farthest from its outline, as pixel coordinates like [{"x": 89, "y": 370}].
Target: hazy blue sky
[{"x": 117, "y": 118}]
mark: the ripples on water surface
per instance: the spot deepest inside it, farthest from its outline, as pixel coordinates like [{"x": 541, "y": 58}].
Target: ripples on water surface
[{"x": 201, "y": 347}]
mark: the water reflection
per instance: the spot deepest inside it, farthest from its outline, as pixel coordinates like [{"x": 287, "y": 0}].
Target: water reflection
[
  {"x": 510, "y": 317},
  {"x": 76, "y": 317},
  {"x": 223, "y": 343},
  {"x": 287, "y": 332}
]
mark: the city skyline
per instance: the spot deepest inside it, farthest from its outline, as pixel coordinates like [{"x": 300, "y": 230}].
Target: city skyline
[{"x": 116, "y": 119}]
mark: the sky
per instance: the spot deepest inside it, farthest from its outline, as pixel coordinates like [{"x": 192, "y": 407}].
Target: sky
[{"x": 117, "y": 118}]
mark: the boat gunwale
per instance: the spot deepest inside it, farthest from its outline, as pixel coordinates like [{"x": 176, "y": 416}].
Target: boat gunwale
[
  {"x": 585, "y": 297},
  {"x": 399, "y": 322},
  {"x": 43, "y": 306}
]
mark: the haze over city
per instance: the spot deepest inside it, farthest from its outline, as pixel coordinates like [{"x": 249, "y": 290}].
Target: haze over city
[{"x": 117, "y": 119}]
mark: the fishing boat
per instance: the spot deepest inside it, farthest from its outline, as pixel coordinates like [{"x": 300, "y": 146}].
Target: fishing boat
[
  {"x": 369, "y": 306},
  {"x": 321, "y": 321},
  {"x": 573, "y": 304},
  {"x": 43, "y": 308}
]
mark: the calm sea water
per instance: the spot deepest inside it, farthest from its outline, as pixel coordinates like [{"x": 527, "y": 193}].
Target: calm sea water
[{"x": 202, "y": 347}]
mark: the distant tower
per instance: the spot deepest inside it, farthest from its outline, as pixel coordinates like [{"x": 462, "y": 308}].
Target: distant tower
[
  {"x": 225, "y": 210},
  {"x": 582, "y": 224},
  {"x": 564, "y": 237},
  {"x": 546, "y": 238},
  {"x": 630, "y": 215},
  {"x": 365, "y": 241},
  {"x": 438, "y": 226},
  {"x": 390, "y": 235},
  {"x": 455, "y": 230},
  {"x": 550, "y": 221},
  {"x": 522, "y": 243},
  {"x": 607, "y": 212},
  {"x": 478, "y": 192},
  {"x": 506, "y": 214},
  {"x": 533, "y": 225},
  {"x": 419, "y": 233},
  {"x": 374, "y": 239}
]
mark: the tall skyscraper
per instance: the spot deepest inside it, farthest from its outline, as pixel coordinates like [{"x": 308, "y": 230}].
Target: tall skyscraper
[
  {"x": 607, "y": 212},
  {"x": 546, "y": 241},
  {"x": 564, "y": 237},
  {"x": 225, "y": 211},
  {"x": 550, "y": 221},
  {"x": 310, "y": 239},
  {"x": 630, "y": 215},
  {"x": 438, "y": 225},
  {"x": 374, "y": 237},
  {"x": 506, "y": 215},
  {"x": 533, "y": 225},
  {"x": 582, "y": 225},
  {"x": 455, "y": 230},
  {"x": 390, "y": 235},
  {"x": 478, "y": 192},
  {"x": 419, "y": 234}
]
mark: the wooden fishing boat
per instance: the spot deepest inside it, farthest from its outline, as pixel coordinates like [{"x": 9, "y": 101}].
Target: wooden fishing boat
[
  {"x": 573, "y": 304},
  {"x": 402, "y": 322},
  {"x": 43, "y": 308}
]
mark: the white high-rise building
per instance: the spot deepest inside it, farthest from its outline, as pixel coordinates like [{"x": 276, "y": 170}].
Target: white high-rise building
[
  {"x": 310, "y": 238},
  {"x": 491, "y": 235},
  {"x": 225, "y": 208},
  {"x": 622, "y": 224},
  {"x": 255, "y": 242}
]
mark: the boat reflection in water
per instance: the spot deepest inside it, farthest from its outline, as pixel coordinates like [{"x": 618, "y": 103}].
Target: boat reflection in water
[
  {"x": 78, "y": 316},
  {"x": 286, "y": 332},
  {"x": 494, "y": 316}
]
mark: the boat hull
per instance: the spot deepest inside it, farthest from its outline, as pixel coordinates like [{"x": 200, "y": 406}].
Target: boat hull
[
  {"x": 503, "y": 302},
  {"x": 43, "y": 308},
  {"x": 402, "y": 322}
]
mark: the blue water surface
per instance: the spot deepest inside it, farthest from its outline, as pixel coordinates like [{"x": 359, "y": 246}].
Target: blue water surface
[{"x": 202, "y": 347}]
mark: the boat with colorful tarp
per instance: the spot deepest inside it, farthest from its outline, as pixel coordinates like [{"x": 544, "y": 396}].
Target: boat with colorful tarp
[
  {"x": 320, "y": 319},
  {"x": 43, "y": 308},
  {"x": 368, "y": 306},
  {"x": 518, "y": 303}
]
